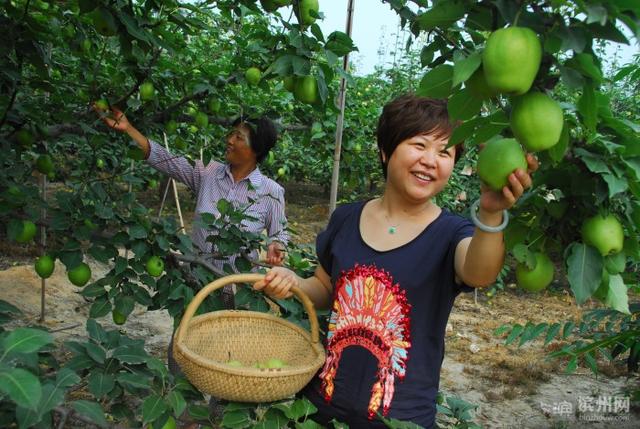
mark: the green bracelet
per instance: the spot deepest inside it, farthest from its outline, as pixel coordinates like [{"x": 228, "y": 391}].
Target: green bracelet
[{"x": 487, "y": 228}]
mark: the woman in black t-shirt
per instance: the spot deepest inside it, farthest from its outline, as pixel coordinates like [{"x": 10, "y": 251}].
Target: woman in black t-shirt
[{"x": 390, "y": 269}]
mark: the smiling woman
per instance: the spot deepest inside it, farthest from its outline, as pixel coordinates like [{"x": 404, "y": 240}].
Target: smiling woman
[
  {"x": 238, "y": 180},
  {"x": 390, "y": 269}
]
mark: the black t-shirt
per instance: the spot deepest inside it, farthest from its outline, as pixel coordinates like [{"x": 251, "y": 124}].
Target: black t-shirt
[{"x": 385, "y": 342}]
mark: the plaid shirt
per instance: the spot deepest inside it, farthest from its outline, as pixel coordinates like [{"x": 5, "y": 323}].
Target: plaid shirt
[{"x": 213, "y": 182}]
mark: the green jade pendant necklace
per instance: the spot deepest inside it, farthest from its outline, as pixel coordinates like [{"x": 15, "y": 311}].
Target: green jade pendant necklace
[{"x": 392, "y": 228}]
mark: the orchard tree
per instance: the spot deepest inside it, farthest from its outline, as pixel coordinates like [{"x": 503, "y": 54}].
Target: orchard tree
[
  {"x": 183, "y": 69},
  {"x": 186, "y": 69},
  {"x": 534, "y": 71}
]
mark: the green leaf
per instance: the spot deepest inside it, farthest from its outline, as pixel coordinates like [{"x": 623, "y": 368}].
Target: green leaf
[
  {"x": 462, "y": 105},
  {"x": 237, "y": 419},
  {"x": 340, "y": 43},
  {"x": 124, "y": 304},
  {"x": 273, "y": 419},
  {"x": 568, "y": 329},
  {"x": 588, "y": 107},
  {"x": 102, "y": 254},
  {"x": 137, "y": 232},
  {"x": 634, "y": 166},
  {"x": 198, "y": 412},
  {"x": 618, "y": 297},
  {"x": 259, "y": 304},
  {"x": 591, "y": 361},
  {"x": 317, "y": 32},
  {"x": 121, "y": 265},
  {"x": 152, "y": 408},
  {"x": 571, "y": 77},
  {"x": 100, "y": 308},
  {"x": 92, "y": 410},
  {"x": 573, "y": 38},
  {"x": 308, "y": 424},
  {"x": 139, "y": 247},
  {"x": 525, "y": 256},
  {"x": 177, "y": 402},
  {"x": 66, "y": 378},
  {"x": 615, "y": 263},
  {"x": 462, "y": 132},
  {"x": 96, "y": 331},
  {"x": 585, "y": 64},
  {"x": 130, "y": 354},
  {"x": 615, "y": 184},
  {"x": 81, "y": 362},
  {"x": 551, "y": 333},
  {"x": 491, "y": 126},
  {"x": 134, "y": 381},
  {"x": 21, "y": 386},
  {"x": 501, "y": 330},
  {"x": 572, "y": 365},
  {"x": 532, "y": 332},
  {"x": 464, "y": 68},
  {"x": 282, "y": 66},
  {"x": 442, "y": 14},
  {"x": 26, "y": 340},
  {"x": 608, "y": 31},
  {"x": 596, "y": 13},
  {"x": 437, "y": 82},
  {"x": 595, "y": 163},
  {"x": 8, "y": 308},
  {"x": 624, "y": 72},
  {"x": 585, "y": 266},
  {"x": 559, "y": 150},
  {"x": 300, "y": 408},
  {"x": 133, "y": 28},
  {"x": 224, "y": 207},
  {"x": 100, "y": 384},
  {"x": 96, "y": 352},
  {"x": 517, "y": 330},
  {"x": 27, "y": 418}
]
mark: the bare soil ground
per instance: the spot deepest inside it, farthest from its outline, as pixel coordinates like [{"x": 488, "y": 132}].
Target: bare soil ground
[{"x": 513, "y": 387}]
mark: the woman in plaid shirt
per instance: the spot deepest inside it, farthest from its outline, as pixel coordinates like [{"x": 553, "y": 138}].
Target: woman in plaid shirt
[{"x": 238, "y": 181}]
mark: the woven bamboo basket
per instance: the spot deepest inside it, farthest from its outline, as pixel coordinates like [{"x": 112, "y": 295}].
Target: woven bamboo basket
[{"x": 204, "y": 344}]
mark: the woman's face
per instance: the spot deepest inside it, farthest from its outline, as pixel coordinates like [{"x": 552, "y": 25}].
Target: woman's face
[
  {"x": 420, "y": 167},
  {"x": 239, "y": 149}
]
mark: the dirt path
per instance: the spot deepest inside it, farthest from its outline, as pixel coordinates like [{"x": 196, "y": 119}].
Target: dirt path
[{"x": 513, "y": 387}]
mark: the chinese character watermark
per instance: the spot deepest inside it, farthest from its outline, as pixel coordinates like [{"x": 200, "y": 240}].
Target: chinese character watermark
[{"x": 593, "y": 409}]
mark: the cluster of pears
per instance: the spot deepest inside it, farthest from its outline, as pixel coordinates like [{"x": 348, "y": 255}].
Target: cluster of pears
[
  {"x": 305, "y": 10},
  {"x": 78, "y": 276},
  {"x": 304, "y": 88},
  {"x": 45, "y": 264},
  {"x": 510, "y": 63}
]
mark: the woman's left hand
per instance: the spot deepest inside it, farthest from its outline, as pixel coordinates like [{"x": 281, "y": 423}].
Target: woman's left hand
[{"x": 520, "y": 180}]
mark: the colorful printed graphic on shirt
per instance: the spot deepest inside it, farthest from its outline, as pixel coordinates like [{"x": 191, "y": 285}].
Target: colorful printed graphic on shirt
[{"x": 371, "y": 312}]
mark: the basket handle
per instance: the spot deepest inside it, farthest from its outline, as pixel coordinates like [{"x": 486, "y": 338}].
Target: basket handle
[{"x": 244, "y": 278}]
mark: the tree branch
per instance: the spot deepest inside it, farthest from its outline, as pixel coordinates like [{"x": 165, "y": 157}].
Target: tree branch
[
  {"x": 9, "y": 106},
  {"x": 199, "y": 261},
  {"x": 140, "y": 80},
  {"x": 66, "y": 413}
]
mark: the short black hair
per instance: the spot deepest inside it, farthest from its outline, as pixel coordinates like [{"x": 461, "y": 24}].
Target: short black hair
[
  {"x": 408, "y": 116},
  {"x": 262, "y": 134}
]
